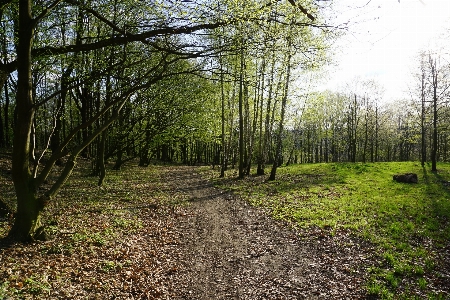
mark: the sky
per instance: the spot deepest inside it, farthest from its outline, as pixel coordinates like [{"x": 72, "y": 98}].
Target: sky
[{"x": 384, "y": 39}]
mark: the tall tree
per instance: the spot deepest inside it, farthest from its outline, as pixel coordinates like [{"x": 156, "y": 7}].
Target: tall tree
[{"x": 279, "y": 142}]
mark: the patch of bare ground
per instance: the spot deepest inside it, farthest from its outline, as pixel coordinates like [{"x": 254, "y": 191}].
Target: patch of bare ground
[{"x": 232, "y": 250}]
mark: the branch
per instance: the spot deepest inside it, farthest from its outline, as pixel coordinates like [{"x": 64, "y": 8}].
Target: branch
[
  {"x": 44, "y": 13},
  {"x": 62, "y": 149},
  {"x": 126, "y": 38},
  {"x": 97, "y": 15},
  {"x": 4, "y": 3},
  {"x": 302, "y": 9},
  {"x": 71, "y": 163},
  {"x": 36, "y": 163}
]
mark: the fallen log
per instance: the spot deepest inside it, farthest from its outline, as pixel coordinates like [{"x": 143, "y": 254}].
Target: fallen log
[{"x": 406, "y": 178}]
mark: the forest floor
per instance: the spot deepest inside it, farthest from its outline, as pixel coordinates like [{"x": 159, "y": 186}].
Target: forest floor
[{"x": 165, "y": 232}]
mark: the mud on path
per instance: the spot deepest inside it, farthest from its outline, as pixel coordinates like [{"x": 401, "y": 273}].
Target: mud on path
[{"x": 232, "y": 250}]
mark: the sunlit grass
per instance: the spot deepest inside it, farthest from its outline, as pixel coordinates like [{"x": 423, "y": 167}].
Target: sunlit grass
[{"x": 406, "y": 222}]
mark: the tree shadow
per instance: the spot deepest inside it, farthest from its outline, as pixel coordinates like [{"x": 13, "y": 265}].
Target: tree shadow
[
  {"x": 224, "y": 195},
  {"x": 425, "y": 175},
  {"x": 286, "y": 182},
  {"x": 435, "y": 183},
  {"x": 7, "y": 242}
]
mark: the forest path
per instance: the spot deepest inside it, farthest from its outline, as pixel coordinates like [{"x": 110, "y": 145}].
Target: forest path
[{"x": 232, "y": 250}]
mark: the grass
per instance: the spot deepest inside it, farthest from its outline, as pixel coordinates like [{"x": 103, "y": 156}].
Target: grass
[{"x": 406, "y": 222}]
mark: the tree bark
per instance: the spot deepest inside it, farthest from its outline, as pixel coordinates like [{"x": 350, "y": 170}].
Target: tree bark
[
  {"x": 222, "y": 98},
  {"x": 260, "y": 168},
  {"x": 27, "y": 222},
  {"x": 2, "y": 136},
  {"x": 267, "y": 124},
  {"x": 241, "y": 114},
  {"x": 434, "y": 75},
  {"x": 423, "y": 153},
  {"x": 6, "y": 113},
  {"x": 101, "y": 158},
  {"x": 283, "y": 110}
]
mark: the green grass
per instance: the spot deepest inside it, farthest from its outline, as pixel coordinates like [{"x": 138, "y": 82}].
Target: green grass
[{"x": 406, "y": 222}]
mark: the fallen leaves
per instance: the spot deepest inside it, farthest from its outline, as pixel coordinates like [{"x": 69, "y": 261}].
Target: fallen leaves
[{"x": 112, "y": 242}]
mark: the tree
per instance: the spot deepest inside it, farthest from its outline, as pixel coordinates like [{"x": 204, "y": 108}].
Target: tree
[
  {"x": 278, "y": 148},
  {"x": 31, "y": 201},
  {"x": 93, "y": 66}
]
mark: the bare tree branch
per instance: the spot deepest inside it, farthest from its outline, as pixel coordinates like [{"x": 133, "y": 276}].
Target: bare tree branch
[{"x": 302, "y": 9}]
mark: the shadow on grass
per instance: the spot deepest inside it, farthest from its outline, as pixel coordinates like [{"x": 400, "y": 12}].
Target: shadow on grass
[
  {"x": 437, "y": 184},
  {"x": 285, "y": 182}
]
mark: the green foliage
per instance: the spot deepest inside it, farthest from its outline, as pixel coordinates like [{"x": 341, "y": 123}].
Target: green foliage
[
  {"x": 3, "y": 289},
  {"x": 422, "y": 283},
  {"x": 406, "y": 222},
  {"x": 36, "y": 286},
  {"x": 108, "y": 266},
  {"x": 130, "y": 225},
  {"x": 33, "y": 285}
]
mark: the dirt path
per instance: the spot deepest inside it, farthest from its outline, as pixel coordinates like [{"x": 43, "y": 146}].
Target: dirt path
[{"x": 235, "y": 251}]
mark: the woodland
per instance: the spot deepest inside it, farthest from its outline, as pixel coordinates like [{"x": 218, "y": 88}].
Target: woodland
[{"x": 123, "y": 123}]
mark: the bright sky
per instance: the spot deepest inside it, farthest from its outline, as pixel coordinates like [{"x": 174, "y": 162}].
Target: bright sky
[{"x": 384, "y": 38}]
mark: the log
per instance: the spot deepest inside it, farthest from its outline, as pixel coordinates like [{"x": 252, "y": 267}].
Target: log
[{"x": 406, "y": 178}]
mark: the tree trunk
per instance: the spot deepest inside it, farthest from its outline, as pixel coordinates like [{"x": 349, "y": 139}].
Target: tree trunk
[
  {"x": 376, "y": 133},
  {"x": 366, "y": 134},
  {"x": 101, "y": 158},
  {"x": 119, "y": 160},
  {"x": 435, "y": 135},
  {"x": 434, "y": 74},
  {"x": 354, "y": 129},
  {"x": 222, "y": 94},
  {"x": 6, "y": 113},
  {"x": 283, "y": 110},
  {"x": 2, "y": 136},
  {"x": 260, "y": 168},
  {"x": 241, "y": 115},
  {"x": 56, "y": 137},
  {"x": 27, "y": 222},
  {"x": 423, "y": 153}
]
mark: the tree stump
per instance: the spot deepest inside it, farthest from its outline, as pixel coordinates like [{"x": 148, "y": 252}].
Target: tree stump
[{"x": 406, "y": 178}]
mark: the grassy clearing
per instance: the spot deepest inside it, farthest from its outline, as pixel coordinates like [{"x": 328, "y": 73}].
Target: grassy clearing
[{"x": 408, "y": 223}]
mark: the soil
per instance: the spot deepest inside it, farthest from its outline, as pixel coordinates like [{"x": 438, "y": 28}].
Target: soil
[{"x": 231, "y": 250}]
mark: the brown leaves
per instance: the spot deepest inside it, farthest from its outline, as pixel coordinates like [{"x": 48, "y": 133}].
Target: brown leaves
[{"x": 112, "y": 242}]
